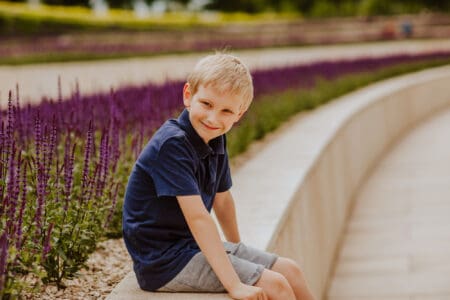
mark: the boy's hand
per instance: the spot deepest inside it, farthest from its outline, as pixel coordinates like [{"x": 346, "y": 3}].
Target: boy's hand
[
  {"x": 247, "y": 292},
  {"x": 205, "y": 232}
]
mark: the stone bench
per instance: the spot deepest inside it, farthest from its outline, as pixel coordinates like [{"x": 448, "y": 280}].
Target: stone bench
[{"x": 294, "y": 196}]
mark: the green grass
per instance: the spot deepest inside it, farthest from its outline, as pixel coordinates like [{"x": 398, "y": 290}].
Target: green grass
[
  {"x": 27, "y": 19},
  {"x": 268, "y": 113}
]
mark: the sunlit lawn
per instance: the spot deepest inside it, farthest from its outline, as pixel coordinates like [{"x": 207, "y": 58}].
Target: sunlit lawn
[{"x": 127, "y": 18}]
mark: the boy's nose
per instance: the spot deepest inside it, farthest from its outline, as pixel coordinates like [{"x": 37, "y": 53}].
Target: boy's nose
[{"x": 212, "y": 118}]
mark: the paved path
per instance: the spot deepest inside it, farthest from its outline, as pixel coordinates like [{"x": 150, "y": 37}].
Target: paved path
[
  {"x": 397, "y": 245},
  {"x": 38, "y": 80}
]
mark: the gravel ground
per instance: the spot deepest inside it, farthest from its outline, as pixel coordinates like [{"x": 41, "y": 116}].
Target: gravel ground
[{"x": 105, "y": 268}]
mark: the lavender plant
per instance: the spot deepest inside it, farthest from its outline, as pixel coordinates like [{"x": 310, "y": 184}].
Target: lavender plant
[
  {"x": 57, "y": 196},
  {"x": 78, "y": 206},
  {"x": 15, "y": 262}
]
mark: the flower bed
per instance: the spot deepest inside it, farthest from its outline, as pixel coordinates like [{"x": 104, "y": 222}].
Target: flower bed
[{"x": 64, "y": 163}]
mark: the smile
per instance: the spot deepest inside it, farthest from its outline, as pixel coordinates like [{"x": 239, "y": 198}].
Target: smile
[{"x": 209, "y": 127}]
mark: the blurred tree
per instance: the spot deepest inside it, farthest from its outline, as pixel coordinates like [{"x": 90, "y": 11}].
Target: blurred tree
[
  {"x": 435, "y": 5},
  {"x": 67, "y": 2},
  {"x": 120, "y": 3},
  {"x": 375, "y": 7},
  {"x": 306, "y": 7},
  {"x": 111, "y": 3},
  {"x": 250, "y": 6}
]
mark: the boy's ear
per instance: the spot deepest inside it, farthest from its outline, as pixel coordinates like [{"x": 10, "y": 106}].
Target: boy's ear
[
  {"x": 240, "y": 114},
  {"x": 187, "y": 95}
]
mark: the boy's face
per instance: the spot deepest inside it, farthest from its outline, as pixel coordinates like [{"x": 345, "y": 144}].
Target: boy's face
[{"x": 210, "y": 112}]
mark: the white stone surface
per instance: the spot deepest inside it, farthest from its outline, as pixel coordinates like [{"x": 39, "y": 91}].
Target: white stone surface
[{"x": 398, "y": 239}]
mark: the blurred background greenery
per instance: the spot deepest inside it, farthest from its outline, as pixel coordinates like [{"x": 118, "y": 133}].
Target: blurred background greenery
[
  {"x": 61, "y": 30},
  {"x": 304, "y": 7}
]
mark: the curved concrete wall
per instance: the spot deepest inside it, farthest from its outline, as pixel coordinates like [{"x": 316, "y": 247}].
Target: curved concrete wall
[
  {"x": 294, "y": 197},
  {"x": 367, "y": 122}
]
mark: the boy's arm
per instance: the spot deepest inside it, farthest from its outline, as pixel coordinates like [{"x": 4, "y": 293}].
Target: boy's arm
[
  {"x": 207, "y": 237},
  {"x": 225, "y": 211}
]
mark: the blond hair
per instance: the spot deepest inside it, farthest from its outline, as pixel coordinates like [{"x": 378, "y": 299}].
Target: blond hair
[{"x": 225, "y": 73}]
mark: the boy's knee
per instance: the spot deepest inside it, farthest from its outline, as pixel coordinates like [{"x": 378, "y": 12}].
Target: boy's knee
[
  {"x": 280, "y": 284},
  {"x": 287, "y": 266},
  {"x": 276, "y": 286},
  {"x": 293, "y": 267}
]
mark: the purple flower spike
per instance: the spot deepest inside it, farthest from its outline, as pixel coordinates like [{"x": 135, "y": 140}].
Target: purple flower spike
[
  {"x": 9, "y": 126},
  {"x": 38, "y": 137},
  {"x": 104, "y": 164},
  {"x": 4, "y": 244},
  {"x": 91, "y": 184},
  {"x": 113, "y": 205},
  {"x": 13, "y": 182},
  {"x": 47, "y": 246},
  {"x": 69, "y": 157},
  {"x": 87, "y": 159},
  {"x": 18, "y": 119},
  {"x": 23, "y": 203},
  {"x": 51, "y": 149}
]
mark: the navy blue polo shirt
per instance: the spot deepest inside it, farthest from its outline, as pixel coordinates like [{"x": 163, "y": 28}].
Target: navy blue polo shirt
[{"x": 175, "y": 162}]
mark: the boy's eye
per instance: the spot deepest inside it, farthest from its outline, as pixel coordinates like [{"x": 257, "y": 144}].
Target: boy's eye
[{"x": 207, "y": 104}]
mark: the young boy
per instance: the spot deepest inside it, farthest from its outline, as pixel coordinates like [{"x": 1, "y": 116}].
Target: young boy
[{"x": 182, "y": 174}]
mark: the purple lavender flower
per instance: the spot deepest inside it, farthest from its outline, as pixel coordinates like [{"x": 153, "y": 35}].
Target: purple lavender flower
[
  {"x": 38, "y": 137},
  {"x": 91, "y": 183},
  {"x": 38, "y": 218},
  {"x": 4, "y": 245},
  {"x": 41, "y": 180},
  {"x": 23, "y": 202},
  {"x": 69, "y": 157},
  {"x": 103, "y": 164},
  {"x": 113, "y": 196},
  {"x": 87, "y": 159},
  {"x": 18, "y": 119},
  {"x": 12, "y": 193},
  {"x": 9, "y": 128},
  {"x": 115, "y": 144},
  {"x": 47, "y": 245},
  {"x": 51, "y": 149}
]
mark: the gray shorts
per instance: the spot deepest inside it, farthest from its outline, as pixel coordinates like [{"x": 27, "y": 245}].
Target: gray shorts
[{"x": 198, "y": 276}]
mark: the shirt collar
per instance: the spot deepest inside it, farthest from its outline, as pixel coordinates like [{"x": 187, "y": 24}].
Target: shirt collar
[{"x": 215, "y": 146}]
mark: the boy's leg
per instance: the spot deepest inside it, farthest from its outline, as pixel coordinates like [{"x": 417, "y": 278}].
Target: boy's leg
[
  {"x": 198, "y": 275},
  {"x": 275, "y": 285},
  {"x": 254, "y": 267},
  {"x": 281, "y": 278},
  {"x": 291, "y": 271}
]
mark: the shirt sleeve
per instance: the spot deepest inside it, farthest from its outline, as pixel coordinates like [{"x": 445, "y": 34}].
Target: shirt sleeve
[
  {"x": 225, "y": 182},
  {"x": 173, "y": 171}
]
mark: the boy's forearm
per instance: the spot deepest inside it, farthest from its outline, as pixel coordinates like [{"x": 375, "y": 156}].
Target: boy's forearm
[
  {"x": 207, "y": 237},
  {"x": 226, "y": 215}
]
